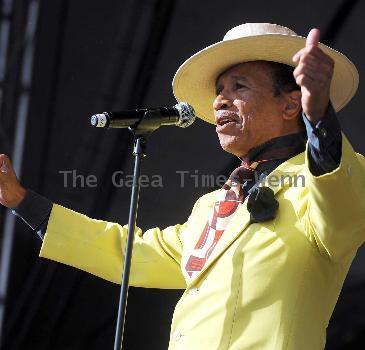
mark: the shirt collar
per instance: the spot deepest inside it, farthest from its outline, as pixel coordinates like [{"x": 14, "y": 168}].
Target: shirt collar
[{"x": 296, "y": 140}]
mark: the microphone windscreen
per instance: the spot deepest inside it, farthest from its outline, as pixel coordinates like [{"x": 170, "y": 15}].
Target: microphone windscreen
[
  {"x": 187, "y": 114},
  {"x": 99, "y": 120}
]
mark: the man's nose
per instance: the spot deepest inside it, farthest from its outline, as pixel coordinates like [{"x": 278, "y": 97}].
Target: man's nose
[{"x": 222, "y": 102}]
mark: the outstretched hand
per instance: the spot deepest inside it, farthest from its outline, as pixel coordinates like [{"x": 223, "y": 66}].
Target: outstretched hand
[
  {"x": 313, "y": 74},
  {"x": 11, "y": 191}
]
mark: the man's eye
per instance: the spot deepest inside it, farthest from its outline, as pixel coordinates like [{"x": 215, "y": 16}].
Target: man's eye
[{"x": 240, "y": 86}]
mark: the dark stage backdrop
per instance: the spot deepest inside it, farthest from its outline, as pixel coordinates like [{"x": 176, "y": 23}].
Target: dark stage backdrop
[{"x": 92, "y": 56}]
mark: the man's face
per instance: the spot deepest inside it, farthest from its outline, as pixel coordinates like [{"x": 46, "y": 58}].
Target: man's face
[{"x": 246, "y": 111}]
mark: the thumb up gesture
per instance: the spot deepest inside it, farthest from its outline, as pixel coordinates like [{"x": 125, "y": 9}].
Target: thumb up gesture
[
  {"x": 11, "y": 192},
  {"x": 313, "y": 74}
]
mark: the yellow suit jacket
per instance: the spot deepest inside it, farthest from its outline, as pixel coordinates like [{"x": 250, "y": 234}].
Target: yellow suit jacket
[{"x": 266, "y": 286}]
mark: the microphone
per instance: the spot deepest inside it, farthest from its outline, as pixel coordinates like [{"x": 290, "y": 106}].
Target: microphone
[{"x": 181, "y": 114}]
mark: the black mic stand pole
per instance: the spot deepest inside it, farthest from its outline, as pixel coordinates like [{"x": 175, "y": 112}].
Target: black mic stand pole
[{"x": 148, "y": 123}]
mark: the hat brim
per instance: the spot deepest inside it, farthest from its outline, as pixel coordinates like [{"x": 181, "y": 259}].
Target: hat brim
[{"x": 195, "y": 80}]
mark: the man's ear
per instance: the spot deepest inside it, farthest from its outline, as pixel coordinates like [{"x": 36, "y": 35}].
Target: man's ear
[{"x": 293, "y": 104}]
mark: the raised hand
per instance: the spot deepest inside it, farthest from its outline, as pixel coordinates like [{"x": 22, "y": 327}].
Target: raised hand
[
  {"x": 313, "y": 74},
  {"x": 11, "y": 192}
]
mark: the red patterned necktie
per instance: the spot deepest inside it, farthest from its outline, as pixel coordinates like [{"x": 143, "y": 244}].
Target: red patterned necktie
[{"x": 229, "y": 198}]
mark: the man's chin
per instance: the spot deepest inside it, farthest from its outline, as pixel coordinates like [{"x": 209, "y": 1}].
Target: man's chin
[{"x": 232, "y": 148}]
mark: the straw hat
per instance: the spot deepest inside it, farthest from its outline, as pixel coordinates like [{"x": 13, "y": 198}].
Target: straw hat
[{"x": 194, "y": 81}]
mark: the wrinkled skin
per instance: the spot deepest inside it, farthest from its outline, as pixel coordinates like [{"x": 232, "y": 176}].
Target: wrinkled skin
[
  {"x": 245, "y": 98},
  {"x": 248, "y": 113}
]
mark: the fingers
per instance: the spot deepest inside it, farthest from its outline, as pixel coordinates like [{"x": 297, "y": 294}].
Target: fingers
[
  {"x": 313, "y": 74},
  {"x": 313, "y": 65},
  {"x": 305, "y": 81},
  {"x": 5, "y": 163},
  {"x": 11, "y": 191},
  {"x": 314, "y": 52},
  {"x": 6, "y": 169},
  {"x": 313, "y": 38},
  {"x": 315, "y": 81},
  {"x": 318, "y": 71},
  {"x": 311, "y": 47}
]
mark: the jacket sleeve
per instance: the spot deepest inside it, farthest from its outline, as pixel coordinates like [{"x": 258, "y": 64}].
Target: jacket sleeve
[
  {"x": 98, "y": 247},
  {"x": 333, "y": 208}
]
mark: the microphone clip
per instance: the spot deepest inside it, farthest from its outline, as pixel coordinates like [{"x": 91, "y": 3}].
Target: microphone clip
[{"x": 147, "y": 124}]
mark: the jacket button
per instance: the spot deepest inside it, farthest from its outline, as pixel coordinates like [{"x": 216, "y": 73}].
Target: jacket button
[
  {"x": 177, "y": 335},
  {"x": 323, "y": 132}
]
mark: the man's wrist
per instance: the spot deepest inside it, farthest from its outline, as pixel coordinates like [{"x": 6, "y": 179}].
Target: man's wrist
[{"x": 20, "y": 194}]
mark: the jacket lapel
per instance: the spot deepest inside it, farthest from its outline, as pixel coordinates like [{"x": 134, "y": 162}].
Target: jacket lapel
[{"x": 241, "y": 219}]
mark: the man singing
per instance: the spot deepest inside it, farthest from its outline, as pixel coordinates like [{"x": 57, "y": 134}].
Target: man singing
[{"x": 263, "y": 259}]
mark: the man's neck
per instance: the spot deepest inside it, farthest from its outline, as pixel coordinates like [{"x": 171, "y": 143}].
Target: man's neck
[{"x": 285, "y": 142}]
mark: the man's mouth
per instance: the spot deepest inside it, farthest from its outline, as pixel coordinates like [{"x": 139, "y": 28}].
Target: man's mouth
[{"x": 226, "y": 117}]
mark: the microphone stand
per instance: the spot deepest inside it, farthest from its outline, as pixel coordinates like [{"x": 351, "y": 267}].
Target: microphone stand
[{"x": 141, "y": 130}]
